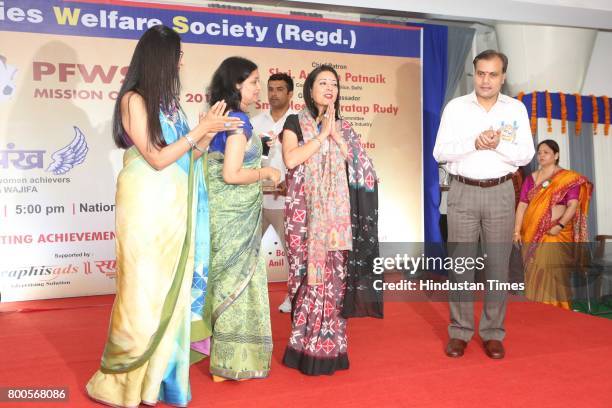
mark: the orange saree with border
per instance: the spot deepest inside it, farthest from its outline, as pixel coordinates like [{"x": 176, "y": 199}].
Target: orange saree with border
[{"x": 549, "y": 259}]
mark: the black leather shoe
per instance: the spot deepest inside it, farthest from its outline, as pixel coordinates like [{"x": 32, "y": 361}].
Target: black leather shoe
[
  {"x": 455, "y": 348},
  {"x": 494, "y": 349}
]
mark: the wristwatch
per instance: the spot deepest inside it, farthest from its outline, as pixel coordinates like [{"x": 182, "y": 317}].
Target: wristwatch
[{"x": 443, "y": 176}]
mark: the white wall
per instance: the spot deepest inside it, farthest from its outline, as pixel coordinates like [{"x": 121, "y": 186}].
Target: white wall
[
  {"x": 539, "y": 56},
  {"x": 598, "y": 81}
]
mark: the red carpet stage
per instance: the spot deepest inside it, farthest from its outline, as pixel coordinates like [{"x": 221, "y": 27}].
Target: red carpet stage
[{"x": 555, "y": 358}]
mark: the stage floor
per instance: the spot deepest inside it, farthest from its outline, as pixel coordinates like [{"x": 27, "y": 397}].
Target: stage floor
[{"x": 555, "y": 358}]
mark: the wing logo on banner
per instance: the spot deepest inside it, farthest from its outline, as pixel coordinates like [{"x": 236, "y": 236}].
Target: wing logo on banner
[
  {"x": 69, "y": 156},
  {"x": 7, "y": 79}
]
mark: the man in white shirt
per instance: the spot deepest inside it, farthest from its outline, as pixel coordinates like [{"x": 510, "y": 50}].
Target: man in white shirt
[
  {"x": 270, "y": 124},
  {"x": 483, "y": 137}
]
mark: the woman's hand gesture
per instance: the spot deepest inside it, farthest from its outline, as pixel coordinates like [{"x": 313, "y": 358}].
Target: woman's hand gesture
[
  {"x": 272, "y": 174},
  {"x": 215, "y": 120},
  {"x": 328, "y": 122}
]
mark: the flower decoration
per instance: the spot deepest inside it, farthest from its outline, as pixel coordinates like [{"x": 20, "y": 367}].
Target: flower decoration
[
  {"x": 534, "y": 113},
  {"x": 563, "y": 113},
  {"x": 595, "y": 113},
  {"x": 578, "y": 114},
  {"x": 548, "y": 112},
  {"x": 606, "y": 102}
]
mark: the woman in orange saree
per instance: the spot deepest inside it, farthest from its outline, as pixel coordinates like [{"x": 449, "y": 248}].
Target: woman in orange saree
[{"x": 550, "y": 220}]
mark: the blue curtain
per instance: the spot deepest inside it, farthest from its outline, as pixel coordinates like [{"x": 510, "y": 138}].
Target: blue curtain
[{"x": 435, "y": 47}]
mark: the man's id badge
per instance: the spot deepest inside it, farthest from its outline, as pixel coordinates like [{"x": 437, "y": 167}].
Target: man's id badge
[{"x": 508, "y": 131}]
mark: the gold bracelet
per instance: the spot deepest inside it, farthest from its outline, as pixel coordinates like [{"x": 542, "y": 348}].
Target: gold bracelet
[
  {"x": 317, "y": 140},
  {"x": 199, "y": 149}
]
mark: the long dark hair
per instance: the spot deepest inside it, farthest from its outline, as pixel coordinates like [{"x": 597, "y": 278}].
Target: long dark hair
[
  {"x": 154, "y": 75},
  {"x": 308, "y": 84},
  {"x": 232, "y": 71},
  {"x": 554, "y": 146}
]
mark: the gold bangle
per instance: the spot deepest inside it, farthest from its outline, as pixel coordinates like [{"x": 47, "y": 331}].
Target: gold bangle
[
  {"x": 317, "y": 140},
  {"x": 199, "y": 149},
  {"x": 258, "y": 174}
]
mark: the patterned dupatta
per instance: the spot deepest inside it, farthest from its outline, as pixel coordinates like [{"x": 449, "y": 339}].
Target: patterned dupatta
[
  {"x": 537, "y": 219},
  {"x": 360, "y": 297},
  {"x": 327, "y": 201}
]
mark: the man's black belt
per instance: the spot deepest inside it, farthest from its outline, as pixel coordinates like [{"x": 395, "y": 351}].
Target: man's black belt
[{"x": 483, "y": 183}]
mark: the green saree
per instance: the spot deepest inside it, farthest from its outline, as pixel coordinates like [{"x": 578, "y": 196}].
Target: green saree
[{"x": 237, "y": 311}]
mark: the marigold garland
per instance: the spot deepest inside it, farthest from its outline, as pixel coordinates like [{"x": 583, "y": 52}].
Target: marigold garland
[
  {"x": 606, "y": 102},
  {"x": 578, "y": 114},
  {"x": 595, "y": 113},
  {"x": 563, "y": 113},
  {"x": 548, "y": 112},
  {"x": 534, "y": 113},
  {"x": 563, "y": 102}
]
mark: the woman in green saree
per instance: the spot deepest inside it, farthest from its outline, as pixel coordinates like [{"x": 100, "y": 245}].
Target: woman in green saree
[
  {"x": 237, "y": 312},
  {"x": 162, "y": 237}
]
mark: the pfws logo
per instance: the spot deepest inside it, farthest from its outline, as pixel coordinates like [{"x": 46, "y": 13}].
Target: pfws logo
[
  {"x": 63, "y": 160},
  {"x": 7, "y": 79}
]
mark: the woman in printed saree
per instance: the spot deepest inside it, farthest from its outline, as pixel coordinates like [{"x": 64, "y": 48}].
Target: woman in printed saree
[
  {"x": 162, "y": 237},
  {"x": 550, "y": 220},
  {"x": 331, "y": 228},
  {"x": 237, "y": 312}
]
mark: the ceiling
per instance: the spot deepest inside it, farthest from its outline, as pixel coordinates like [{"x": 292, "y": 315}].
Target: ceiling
[
  {"x": 595, "y": 14},
  {"x": 572, "y": 13}
]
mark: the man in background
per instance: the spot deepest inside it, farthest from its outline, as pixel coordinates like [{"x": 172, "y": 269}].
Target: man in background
[{"x": 268, "y": 125}]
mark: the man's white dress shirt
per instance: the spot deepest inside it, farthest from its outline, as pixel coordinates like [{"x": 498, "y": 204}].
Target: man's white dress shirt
[
  {"x": 464, "y": 119},
  {"x": 263, "y": 123}
]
